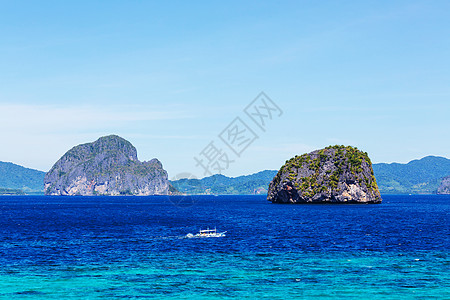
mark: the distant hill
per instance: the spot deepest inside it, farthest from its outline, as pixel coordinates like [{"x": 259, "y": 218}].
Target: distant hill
[
  {"x": 219, "y": 184},
  {"x": 15, "y": 177},
  {"x": 421, "y": 176}
]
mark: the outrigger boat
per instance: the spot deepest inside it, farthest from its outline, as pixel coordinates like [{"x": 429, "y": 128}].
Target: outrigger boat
[{"x": 206, "y": 233}]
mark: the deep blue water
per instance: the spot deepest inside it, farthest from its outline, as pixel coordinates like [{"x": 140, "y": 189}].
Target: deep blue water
[{"x": 135, "y": 247}]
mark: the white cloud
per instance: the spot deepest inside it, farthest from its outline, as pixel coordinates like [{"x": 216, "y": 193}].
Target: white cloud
[
  {"x": 45, "y": 118},
  {"x": 37, "y": 135}
]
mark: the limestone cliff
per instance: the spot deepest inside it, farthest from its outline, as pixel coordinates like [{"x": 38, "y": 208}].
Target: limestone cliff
[
  {"x": 108, "y": 166},
  {"x": 444, "y": 187},
  {"x": 336, "y": 174}
]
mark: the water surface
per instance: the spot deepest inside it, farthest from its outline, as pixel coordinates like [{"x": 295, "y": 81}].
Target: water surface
[{"x": 135, "y": 247}]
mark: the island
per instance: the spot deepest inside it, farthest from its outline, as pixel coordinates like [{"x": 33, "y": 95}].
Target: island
[
  {"x": 336, "y": 174},
  {"x": 108, "y": 166}
]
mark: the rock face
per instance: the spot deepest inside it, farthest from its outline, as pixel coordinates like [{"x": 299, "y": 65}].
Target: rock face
[
  {"x": 336, "y": 174},
  {"x": 108, "y": 166},
  {"x": 444, "y": 188}
]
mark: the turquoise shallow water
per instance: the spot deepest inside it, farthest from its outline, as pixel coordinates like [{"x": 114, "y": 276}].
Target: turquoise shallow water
[
  {"x": 266, "y": 276},
  {"x": 128, "y": 247}
]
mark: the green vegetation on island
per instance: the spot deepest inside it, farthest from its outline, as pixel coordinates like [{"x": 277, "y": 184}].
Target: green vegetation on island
[{"x": 335, "y": 174}]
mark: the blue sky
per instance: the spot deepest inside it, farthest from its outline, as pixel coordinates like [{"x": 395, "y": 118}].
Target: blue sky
[{"x": 170, "y": 76}]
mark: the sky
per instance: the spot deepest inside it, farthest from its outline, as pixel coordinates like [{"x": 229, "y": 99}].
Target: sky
[{"x": 176, "y": 78}]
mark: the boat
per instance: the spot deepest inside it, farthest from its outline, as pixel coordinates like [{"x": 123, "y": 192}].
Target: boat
[{"x": 206, "y": 233}]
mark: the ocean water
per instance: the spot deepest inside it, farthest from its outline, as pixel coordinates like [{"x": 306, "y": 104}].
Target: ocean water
[{"x": 136, "y": 247}]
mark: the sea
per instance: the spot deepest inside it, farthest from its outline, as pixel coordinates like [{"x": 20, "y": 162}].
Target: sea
[{"x": 137, "y": 248}]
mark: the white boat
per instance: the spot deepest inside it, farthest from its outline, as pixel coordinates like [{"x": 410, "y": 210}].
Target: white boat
[{"x": 206, "y": 233}]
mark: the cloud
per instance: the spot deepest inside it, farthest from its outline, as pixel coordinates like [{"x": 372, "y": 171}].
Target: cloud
[
  {"x": 36, "y": 135},
  {"x": 50, "y": 118}
]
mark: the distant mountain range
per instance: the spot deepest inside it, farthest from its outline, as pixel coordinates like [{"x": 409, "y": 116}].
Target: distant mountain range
[
  {"x": 15, "y": 179},
  {"x": 421, "y": 176},
  {"x": 222, "y": 185}
]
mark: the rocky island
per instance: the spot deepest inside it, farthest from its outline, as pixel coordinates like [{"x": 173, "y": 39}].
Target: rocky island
[
  {"x": 108, "y": 166},
  {"x": 336, "y": 174},
  {"x": 444, "y": 187}
]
